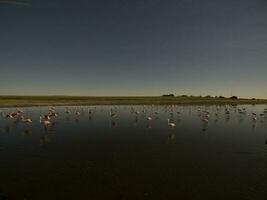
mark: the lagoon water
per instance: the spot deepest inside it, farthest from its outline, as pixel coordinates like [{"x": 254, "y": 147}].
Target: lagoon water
[{"x": 94, "y": 156}]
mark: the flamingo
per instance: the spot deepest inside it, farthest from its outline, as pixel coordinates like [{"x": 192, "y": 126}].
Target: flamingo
[
  {"x": 47, "y": 117},
  {"x": 52, "y": 109},
  {"x": 137, "y": 112},
  {"x": 45, "y": 121},
  {"x": 19, "y": 110},
  {"x": 207, "y": 116},
  {"x": 171, "y": 124},
  {"x": 11, "y": 115},
  {"x": 52, "y": 114},
  {"x": 26, "y": 120},
  {"x": 205, "y": 120},
  {"x": 67, "y": 111},
  {"x": 113, "y": 114},
  {"x": 148, "y": 118}
]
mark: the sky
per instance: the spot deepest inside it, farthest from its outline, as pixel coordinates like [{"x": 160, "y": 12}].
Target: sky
[{"x": 140, "y": 47}]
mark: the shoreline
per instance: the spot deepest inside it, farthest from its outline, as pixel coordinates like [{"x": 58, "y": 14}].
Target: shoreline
[{"x": 37, "y": 101}]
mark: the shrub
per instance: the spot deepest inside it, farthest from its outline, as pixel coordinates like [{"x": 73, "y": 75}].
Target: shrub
[
  {"x": 168, "y": 95},
  {"x": 234, "y": 97}
]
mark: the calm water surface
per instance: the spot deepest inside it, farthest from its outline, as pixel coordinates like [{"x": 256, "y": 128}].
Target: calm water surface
[{"x": 94, "y": 156}]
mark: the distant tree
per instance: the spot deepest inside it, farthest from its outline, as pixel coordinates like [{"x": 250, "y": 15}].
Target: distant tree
[
  {"x": 208, "y": 96},
  {"x": 253, "y": 99},
  {"x": 234, "y": 97},
  {"x": 221, "y": 97},
  {"x": 168, "y": 95}
]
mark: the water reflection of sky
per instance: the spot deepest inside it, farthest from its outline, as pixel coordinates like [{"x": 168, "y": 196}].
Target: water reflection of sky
[{"x": 230, "y": 149}]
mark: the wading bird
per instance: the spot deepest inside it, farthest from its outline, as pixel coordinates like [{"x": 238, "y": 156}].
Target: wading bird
[
  {"x": 113, "y": 114},
  {"x": 45, "y": 121},
  {"x": 149, "y": 118},
  {"x": 205, "y": 120},
  {"x": 25, "y": 120},
  {"x": 171, "y": 124},
  {"x": 11, "y": 115}
]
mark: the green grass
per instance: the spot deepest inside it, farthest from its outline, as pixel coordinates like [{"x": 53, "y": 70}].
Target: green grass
[{"x": 9, "y": 101}]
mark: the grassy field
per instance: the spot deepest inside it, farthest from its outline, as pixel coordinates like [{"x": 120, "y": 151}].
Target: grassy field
[{"x": 17, "y": 101}]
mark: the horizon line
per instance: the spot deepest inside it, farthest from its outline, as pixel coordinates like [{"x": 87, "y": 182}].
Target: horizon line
[{"x": 185, "y": 95}]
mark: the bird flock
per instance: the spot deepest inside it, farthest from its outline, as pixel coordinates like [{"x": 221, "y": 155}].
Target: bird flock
[{"x": 147, "y": 112}]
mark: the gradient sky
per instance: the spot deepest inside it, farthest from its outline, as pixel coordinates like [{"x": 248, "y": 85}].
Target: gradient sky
[{"x": 134, "y": 47}]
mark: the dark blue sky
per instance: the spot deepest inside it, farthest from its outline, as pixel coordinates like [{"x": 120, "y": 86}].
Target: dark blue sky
[{"x": 134, "y": 47}]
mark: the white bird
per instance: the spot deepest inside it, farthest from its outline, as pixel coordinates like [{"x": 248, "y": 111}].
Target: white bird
[
  {"x": 137, "y": 112},
  {"x": 113, "y": 114},
  {"x": 25, "y": 120},
  {"x": 52, "y": 114},
  {"x": 19, "y": 110},
  {"x": 207, "y": 116},
  {"x": 11, "y": 115},
  {"x": 149, "y": 118},
  {"x": 171, "y": 124},
  {"x": 205, "y": 120},
  {"x": 67, "y": 111},
  {"x": 45, "y": 121},
  {"x": 46, "y": 117}
]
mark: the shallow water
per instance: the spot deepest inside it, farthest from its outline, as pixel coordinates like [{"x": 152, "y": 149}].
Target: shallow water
[{"x": 94, "y": 156}]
